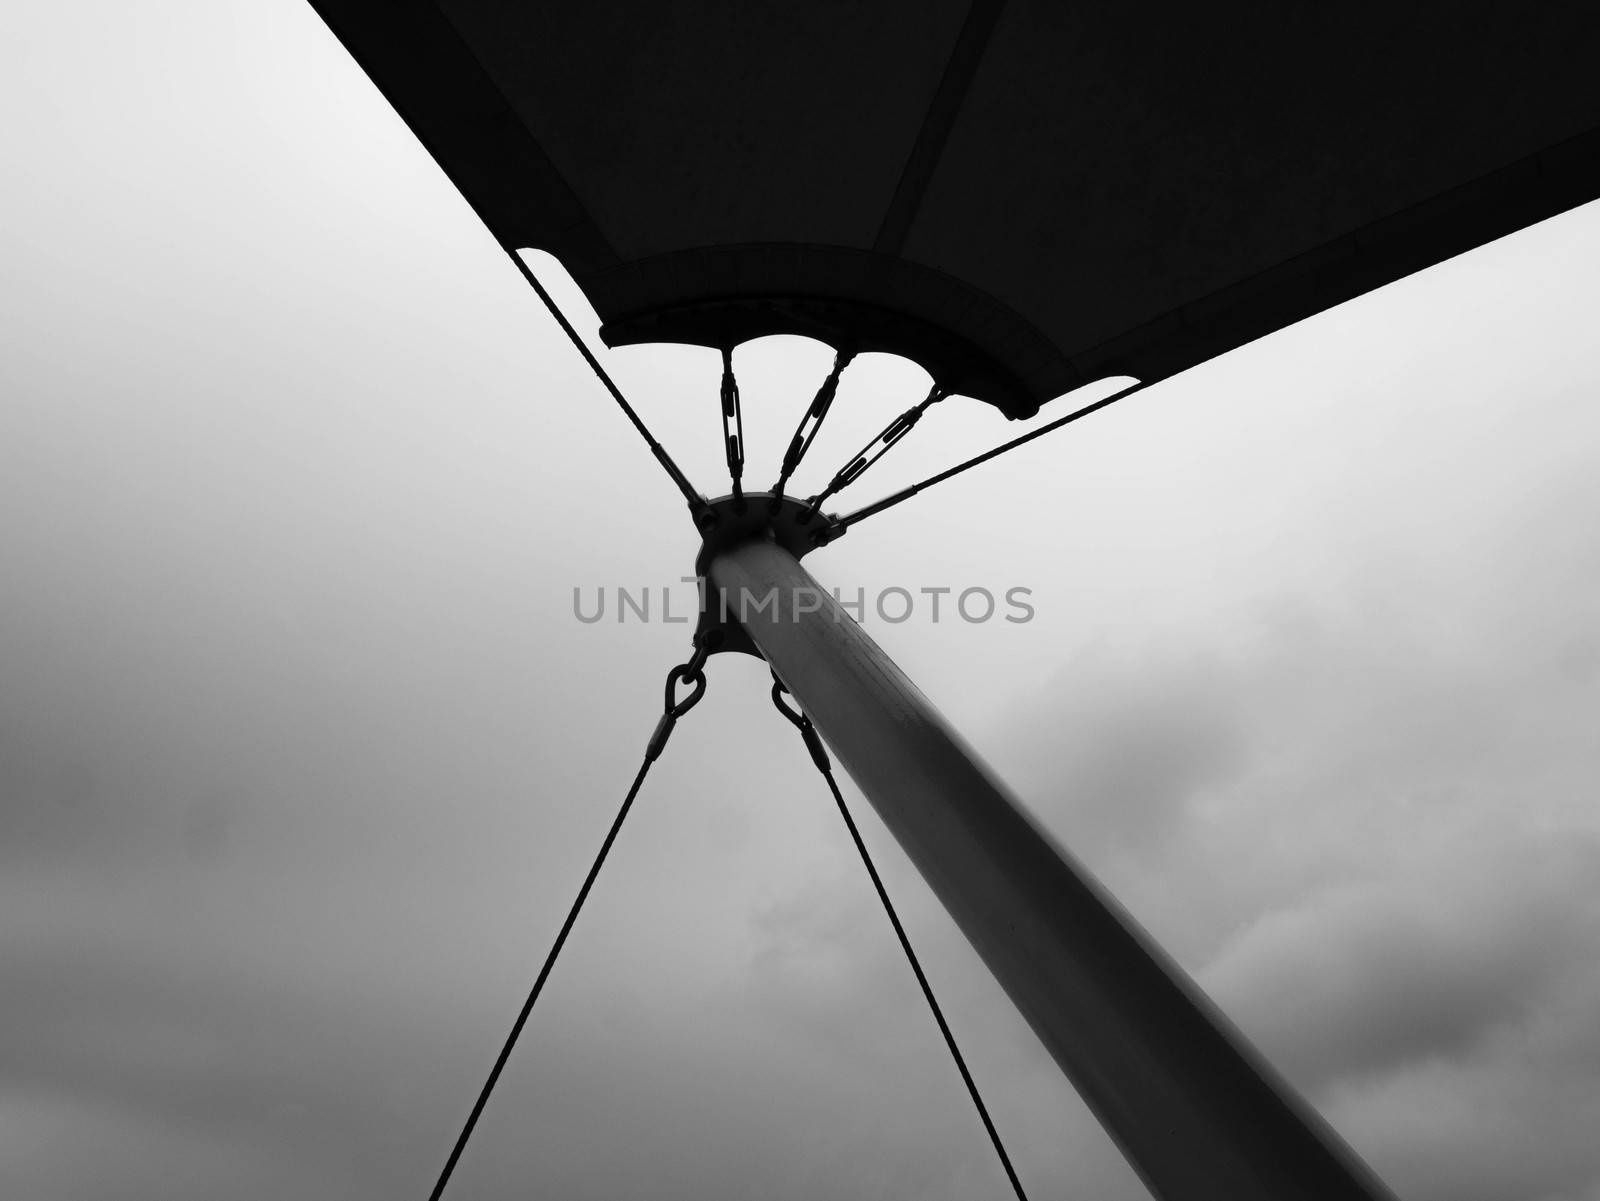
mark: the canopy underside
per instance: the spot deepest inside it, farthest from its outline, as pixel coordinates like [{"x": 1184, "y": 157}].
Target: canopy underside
[{"x": 1021, "y": 195}]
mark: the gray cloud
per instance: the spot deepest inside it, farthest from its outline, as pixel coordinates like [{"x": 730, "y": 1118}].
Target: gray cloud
[
  {"x": 1377, "y": 843},
  {"x": 1415, "y": 966},
  {"x": 302, "y": 755}
]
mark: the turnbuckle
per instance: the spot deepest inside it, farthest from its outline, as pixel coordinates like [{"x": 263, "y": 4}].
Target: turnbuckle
[
  {"x": 810, "y": 423},
  {"x": 876, "y": 449},
  {"x": 732, "y": 427}
]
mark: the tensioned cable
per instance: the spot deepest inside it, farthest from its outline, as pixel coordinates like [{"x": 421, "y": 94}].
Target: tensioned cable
[
  {"x": 819, "y": 756},
  {"x": 876, "y": 449},
  {"x": 692, "y": 674},
  {"x": 810, "y": 422},
  {"x": 839, "y": 525},
  {"x": 732, "y": 428},
  {"x": 682, "y": 481}
]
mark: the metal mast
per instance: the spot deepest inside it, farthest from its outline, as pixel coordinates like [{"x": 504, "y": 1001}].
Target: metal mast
[{"x": 1198, "y": 1112}]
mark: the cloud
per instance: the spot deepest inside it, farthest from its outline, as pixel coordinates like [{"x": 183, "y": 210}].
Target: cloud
[
  {"x": 1137, "y": 742},
  {"x": 1363, "y": 820},
  {"x": 302, "y": 755},
  {"x": 1514, "y": 1115},
  {"x": 1420, "y": 965}
]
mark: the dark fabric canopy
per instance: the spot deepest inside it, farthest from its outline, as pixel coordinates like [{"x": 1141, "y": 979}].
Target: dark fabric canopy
[{"x": 1021, "y": 195}]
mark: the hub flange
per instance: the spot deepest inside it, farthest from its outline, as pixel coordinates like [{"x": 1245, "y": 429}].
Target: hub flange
[{"x": 727, "y": 522}]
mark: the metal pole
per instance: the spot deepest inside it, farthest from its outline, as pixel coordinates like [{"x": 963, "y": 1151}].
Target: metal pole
[{"x": 1198, "y": 1112}]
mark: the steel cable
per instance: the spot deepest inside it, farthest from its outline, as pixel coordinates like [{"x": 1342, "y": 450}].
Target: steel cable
[
  {"x": 819, "y": 756},
  {"x": 691, "y": 673}
]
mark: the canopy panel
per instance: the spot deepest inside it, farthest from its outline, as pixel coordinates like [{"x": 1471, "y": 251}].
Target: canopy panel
[{"x": 1021, "y": 195}]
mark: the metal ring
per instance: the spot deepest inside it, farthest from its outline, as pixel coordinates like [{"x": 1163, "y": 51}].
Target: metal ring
[
  {"x": 686, "y": 674},
  {"x": 799, "y": 720}
]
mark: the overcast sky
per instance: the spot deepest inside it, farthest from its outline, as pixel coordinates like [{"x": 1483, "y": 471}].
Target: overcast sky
[{"x": 303, "y": 754}]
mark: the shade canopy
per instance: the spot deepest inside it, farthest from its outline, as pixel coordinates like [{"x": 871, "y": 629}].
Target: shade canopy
[{"x": 1022, "y": 196}]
